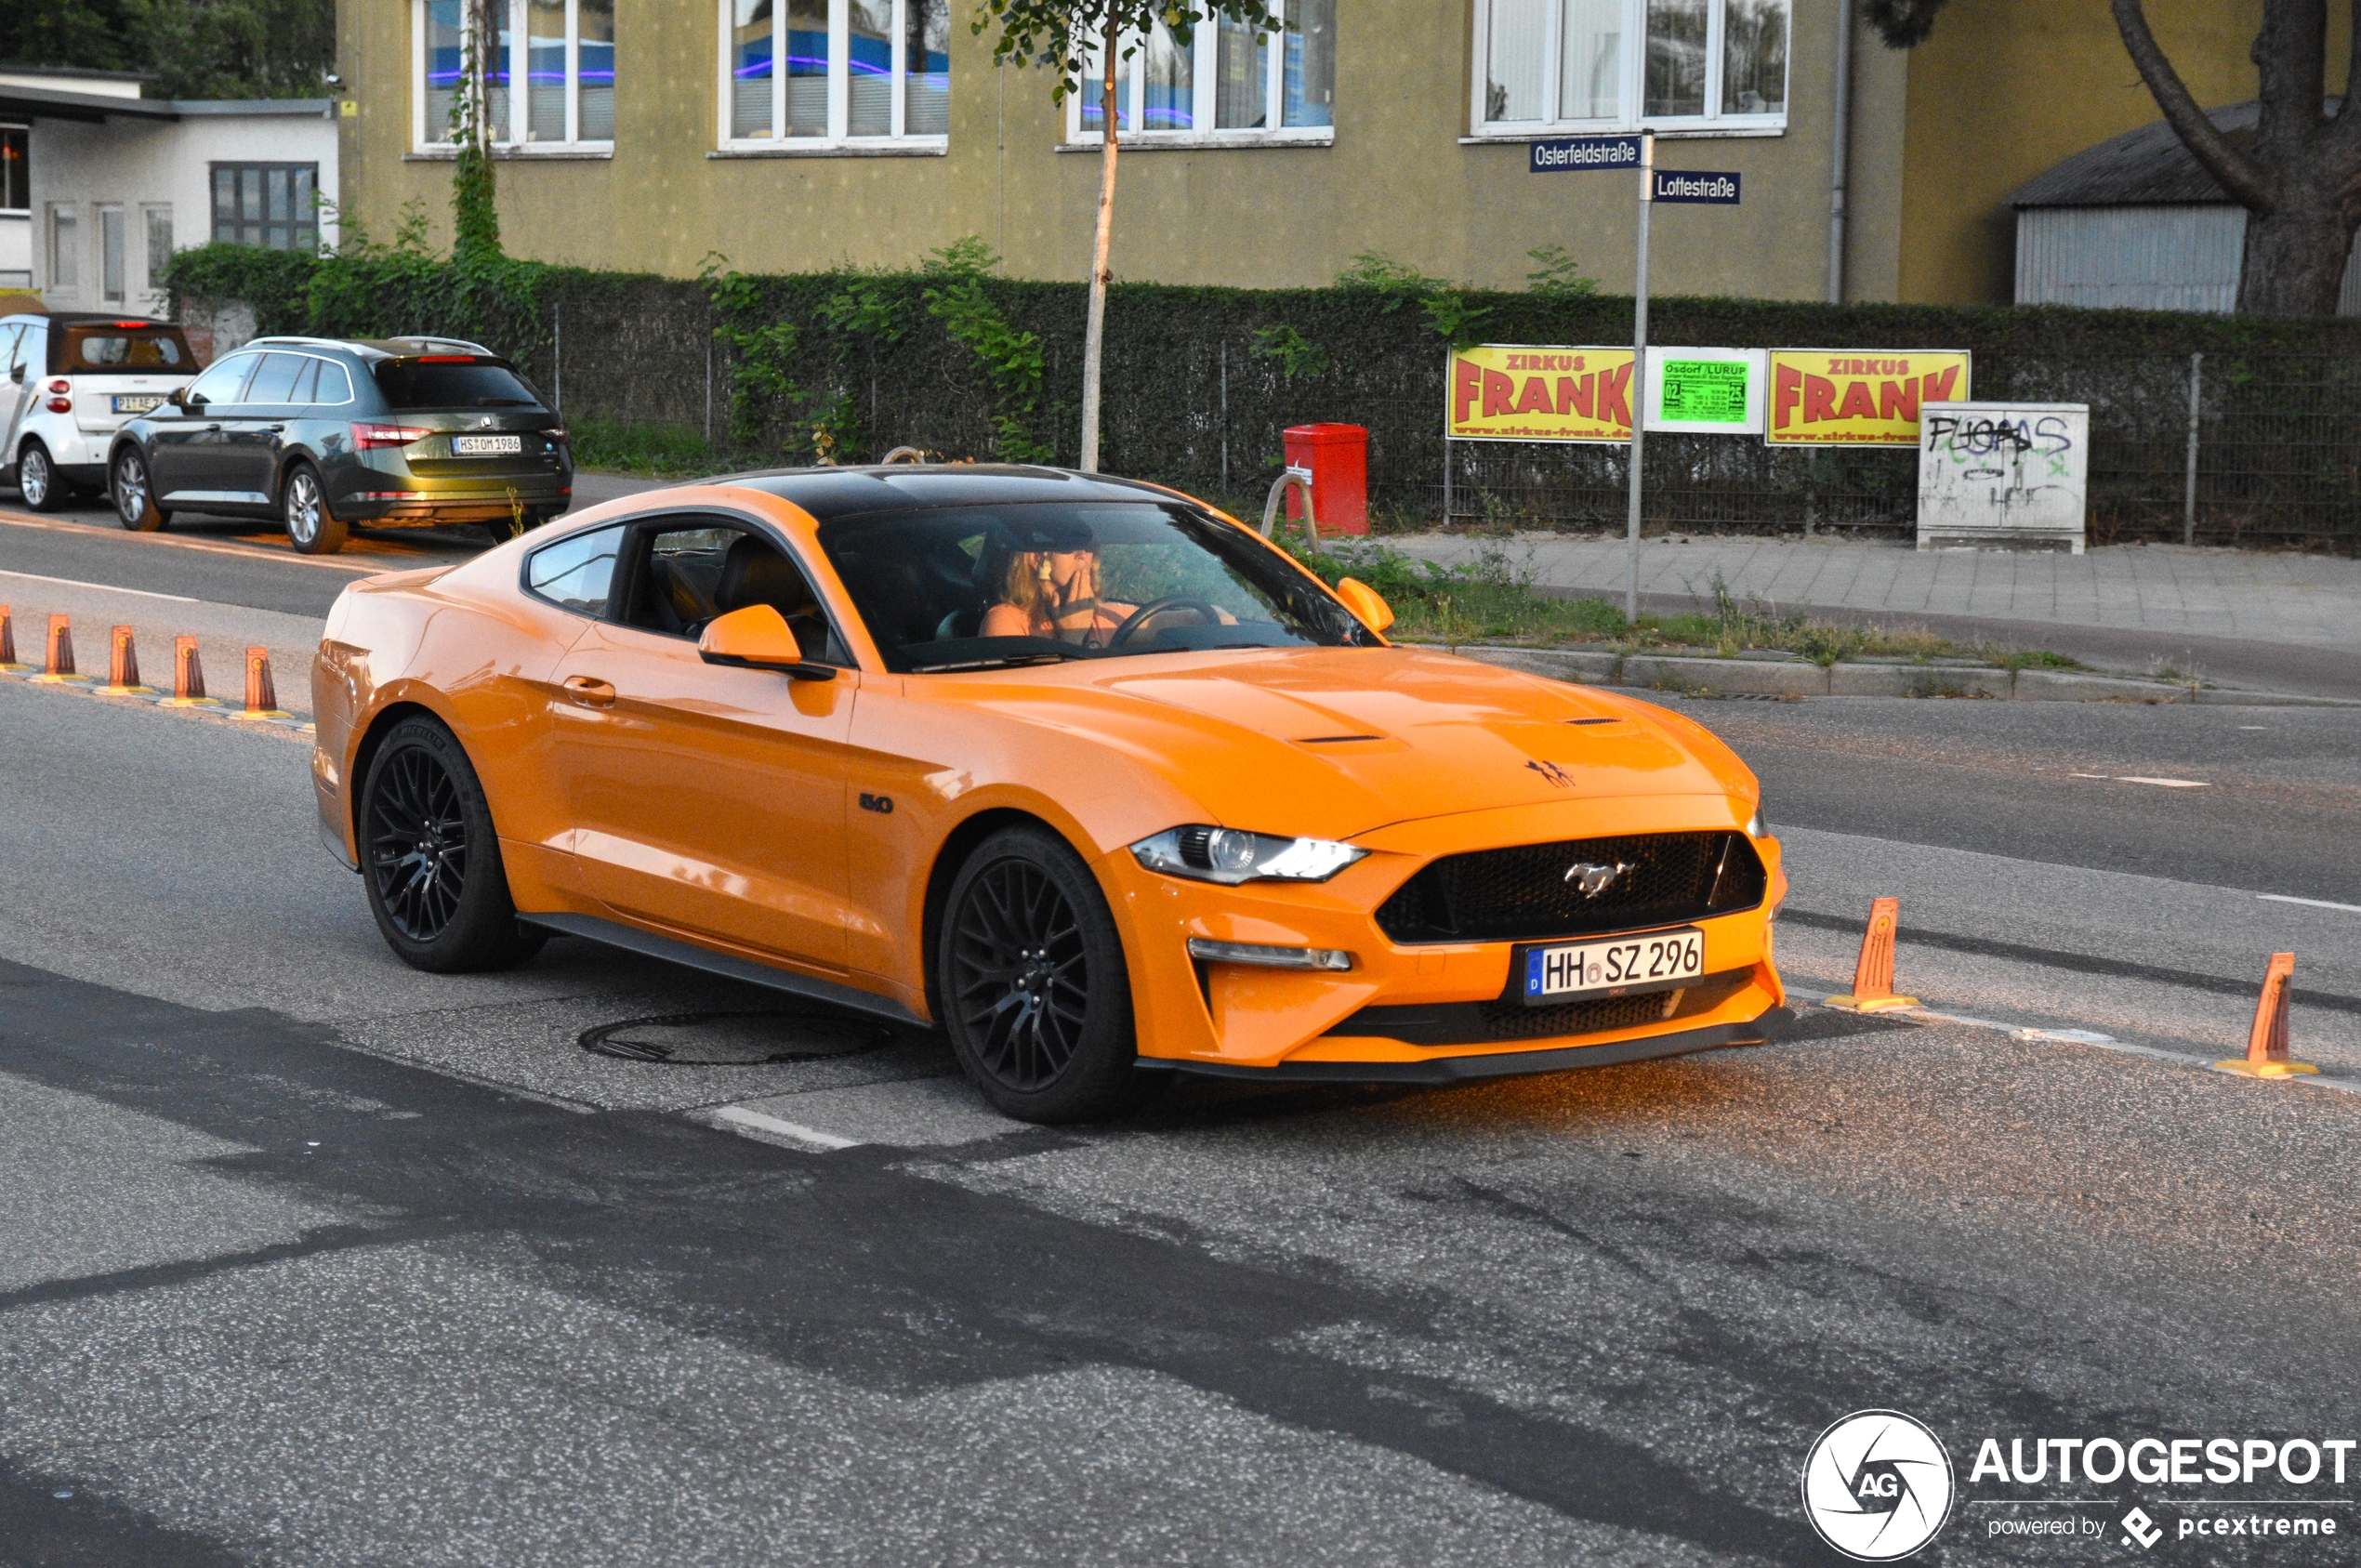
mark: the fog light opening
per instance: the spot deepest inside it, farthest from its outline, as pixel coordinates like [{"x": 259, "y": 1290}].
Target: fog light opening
[{"x": 1269, "y": 955}]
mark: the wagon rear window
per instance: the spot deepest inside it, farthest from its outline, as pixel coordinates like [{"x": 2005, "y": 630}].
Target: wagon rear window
[{"x": 417, "y": 386}]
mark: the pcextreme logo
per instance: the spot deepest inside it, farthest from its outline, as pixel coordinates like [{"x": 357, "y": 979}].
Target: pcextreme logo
[{"x": 1878, "y": 1485}]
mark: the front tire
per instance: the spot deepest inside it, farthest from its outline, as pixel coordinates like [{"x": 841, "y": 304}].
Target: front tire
[
  {"x": 1035, "y": 995},
  {"x": 37, "y": 479},
  {"x": 431, "y": 860},
  {"x": 135, "y": 501},
  {"x": 303, "y": 506}
]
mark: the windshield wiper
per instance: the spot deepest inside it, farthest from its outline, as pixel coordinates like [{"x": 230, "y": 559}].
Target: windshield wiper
[{"x": 1003, "y": 662}]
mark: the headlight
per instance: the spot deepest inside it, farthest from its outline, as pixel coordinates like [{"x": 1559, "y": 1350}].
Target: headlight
[
  {"x": 1229, "y": 855},
  {"x": 1757, "y": 826}
]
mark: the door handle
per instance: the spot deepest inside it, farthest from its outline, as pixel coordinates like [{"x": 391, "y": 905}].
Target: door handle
[
  {"x": 212, "y": 426},
  {"x": 276, "y": 429},
  {"x": 588, "y": 691}
]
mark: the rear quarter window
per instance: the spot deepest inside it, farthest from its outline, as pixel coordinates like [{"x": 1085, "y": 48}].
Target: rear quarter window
[
  {"x": 576, "y": 574},
  {"x": 105, "y": 349},
  {"x": 417, "y": 385}
]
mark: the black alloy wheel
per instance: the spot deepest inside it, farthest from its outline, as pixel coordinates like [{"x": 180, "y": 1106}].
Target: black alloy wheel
[
  {"x": 432, "y": 862},
  {"x": 1034, "y": 992},
  {"x": 134, "y": 502}
]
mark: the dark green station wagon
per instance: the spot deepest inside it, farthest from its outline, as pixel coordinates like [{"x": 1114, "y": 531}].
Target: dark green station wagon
[{"x": 321, "y": 433}]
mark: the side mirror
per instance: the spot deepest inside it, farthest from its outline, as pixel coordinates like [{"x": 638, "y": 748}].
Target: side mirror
[
  {"x": 1366, "y": 602},
  {"x": 758, "y": 637},
  {"x": 178, "y": 397},
  {"x": 16, "y": 374}
]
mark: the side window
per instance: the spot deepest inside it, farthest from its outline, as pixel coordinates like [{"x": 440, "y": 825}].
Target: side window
[
  {"x": 8, "y": 340},
  {"x": 34, "y": 350},
  {"x": 220, "y": 384},
  {"x": 275, "y": 382},
  {"x": 576, "y": 573},
  {"x": 690, "y": 570},
  {"x": 334, "y": 385}
]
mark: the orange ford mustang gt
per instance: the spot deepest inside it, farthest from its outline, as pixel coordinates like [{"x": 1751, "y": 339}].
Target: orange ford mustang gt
[{"x": 1083, "y": 772}]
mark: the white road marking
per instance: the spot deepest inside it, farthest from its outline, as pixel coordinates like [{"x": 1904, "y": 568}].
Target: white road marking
[
  {"x": 811, "y": 1138},
  {"x": 2310, "y": 904},
  {"x": 248, "y": 552},
  {"x": 2136, "y": 777},
  {"x": 103, "y": 588}
]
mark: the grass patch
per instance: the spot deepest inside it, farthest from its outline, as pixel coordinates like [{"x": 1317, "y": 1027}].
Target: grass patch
[
  {"x": 650, "y": 450},
  {"x": 1492, "y": 599}
]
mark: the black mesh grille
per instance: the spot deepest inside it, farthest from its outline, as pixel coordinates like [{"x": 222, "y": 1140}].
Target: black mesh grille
[
  {"x": 1507, "y": 1017},
  {"x": 1522, "y": 894}
]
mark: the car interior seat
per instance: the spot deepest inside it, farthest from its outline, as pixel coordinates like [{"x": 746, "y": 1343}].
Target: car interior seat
[{"x": 755, "y": 573}]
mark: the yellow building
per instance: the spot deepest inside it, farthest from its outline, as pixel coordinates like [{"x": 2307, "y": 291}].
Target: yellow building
[{"x": 798, "y": 135}]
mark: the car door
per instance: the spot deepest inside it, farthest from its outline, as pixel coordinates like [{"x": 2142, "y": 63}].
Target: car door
[
  {"x": 16, "y": 393},
  {"x": 254, "y": 429},
  {"x": 186, "y": 462},
  {"x": 705, "y": 799}
]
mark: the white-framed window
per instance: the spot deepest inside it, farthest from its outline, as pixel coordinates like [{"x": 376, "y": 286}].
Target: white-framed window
[
  {"x": 562, "y": 52},
  {"x": 114, "y": 264},
  {"x": 1546, "y": 66},
  {"x": 16, "y": 169},
  {"x": 65, "y": 250},
  {"x": 157, "y": 222},
  {"x": 1230, "y": 84},
  {"x": 801, "y": 75}
]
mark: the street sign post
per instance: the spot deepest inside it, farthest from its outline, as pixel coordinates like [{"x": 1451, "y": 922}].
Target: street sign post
[{"x": 1572, "y": 153}]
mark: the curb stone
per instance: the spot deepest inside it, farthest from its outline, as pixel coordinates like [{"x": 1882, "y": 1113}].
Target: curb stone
[{"x": 1797, "y": 677}]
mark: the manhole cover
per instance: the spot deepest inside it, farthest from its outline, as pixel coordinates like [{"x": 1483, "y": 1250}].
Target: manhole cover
[{"x": 736, "y": 1039}]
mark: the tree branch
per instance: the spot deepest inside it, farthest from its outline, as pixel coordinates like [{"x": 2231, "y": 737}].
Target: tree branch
[{"x": 2249, "y": 184}]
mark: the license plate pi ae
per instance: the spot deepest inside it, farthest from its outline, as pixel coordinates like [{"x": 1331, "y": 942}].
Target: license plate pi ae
[
  {"x": 1613, "y": 965},
  {"x": 137, "y": 402}
]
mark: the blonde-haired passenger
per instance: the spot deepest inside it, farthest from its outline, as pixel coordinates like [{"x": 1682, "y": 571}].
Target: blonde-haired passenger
[{"x": 1054, "y": 594}]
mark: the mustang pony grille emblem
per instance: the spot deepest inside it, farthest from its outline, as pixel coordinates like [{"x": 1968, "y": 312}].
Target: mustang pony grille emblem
[{"x": 1594, "y": 879}]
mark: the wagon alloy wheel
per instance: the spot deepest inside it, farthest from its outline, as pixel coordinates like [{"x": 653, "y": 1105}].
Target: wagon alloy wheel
[
  {"x": 36, "y": 477},
  {"x": 310, "y": 527},
  {"x": 418, "y": 845},
  {"x": 1023, "y": 975},
  {"x": 1031, "y": 983},
  {"x": 436, "y": 885}
]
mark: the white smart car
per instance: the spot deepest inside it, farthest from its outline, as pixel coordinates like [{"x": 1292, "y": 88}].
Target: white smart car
[{"x": 72, "y": 382}]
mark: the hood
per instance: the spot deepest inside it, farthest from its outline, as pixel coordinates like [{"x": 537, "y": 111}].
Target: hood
[{"x": 1336, "y": 742}]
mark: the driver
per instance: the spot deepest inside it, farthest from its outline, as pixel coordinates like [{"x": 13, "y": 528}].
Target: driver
[{"x": 1053, "y": 591}]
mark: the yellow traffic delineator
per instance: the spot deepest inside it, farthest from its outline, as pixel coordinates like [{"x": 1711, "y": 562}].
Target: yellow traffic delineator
[
  {"x": 8, "y": 643},
  {"x": 2267, "y": 1041},
  {"x": 1873, "y": 976},
  {"x": 58, "y": 664}
]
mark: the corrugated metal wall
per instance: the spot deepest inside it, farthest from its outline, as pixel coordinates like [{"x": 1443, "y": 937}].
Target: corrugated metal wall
[{"x": 2141, "y": 259}]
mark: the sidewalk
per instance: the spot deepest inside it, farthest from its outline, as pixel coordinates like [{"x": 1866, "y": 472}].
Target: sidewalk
[{"x": 2289, "y": 623}]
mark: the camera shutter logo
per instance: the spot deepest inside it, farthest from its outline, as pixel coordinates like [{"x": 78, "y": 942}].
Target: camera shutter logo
[{"x": 1878, "y": 1485}]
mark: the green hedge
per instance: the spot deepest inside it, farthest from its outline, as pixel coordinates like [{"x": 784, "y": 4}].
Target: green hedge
[{"x": 853, "y": 365}]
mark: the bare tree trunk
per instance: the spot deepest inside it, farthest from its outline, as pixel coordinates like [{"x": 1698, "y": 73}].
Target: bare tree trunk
[
  {"x": 2295, "y": 259},
  {"x": 1094, "y": 334}
]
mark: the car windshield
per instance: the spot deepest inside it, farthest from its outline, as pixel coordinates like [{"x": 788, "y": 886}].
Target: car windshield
[
  {"x": 120, "y": 347},
  {"x": 418, "y": 385},
  {"x": 972, "y": 588}
]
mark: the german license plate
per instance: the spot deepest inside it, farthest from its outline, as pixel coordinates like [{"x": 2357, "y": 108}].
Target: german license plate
[
  {"x": 1617, "y": 967},
  {"x": 137, "y": 402},
  {"x": 486, "y": 446}
]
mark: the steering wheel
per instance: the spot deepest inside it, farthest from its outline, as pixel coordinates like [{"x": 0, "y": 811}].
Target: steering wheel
[{"x": 1140, "y": 617}]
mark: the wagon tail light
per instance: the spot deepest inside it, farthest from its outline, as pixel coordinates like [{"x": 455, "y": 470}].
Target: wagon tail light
[{"x": 366, "y": 436}]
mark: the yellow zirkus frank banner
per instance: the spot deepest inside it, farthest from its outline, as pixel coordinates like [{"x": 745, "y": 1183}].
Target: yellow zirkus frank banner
[
  {"x": 1516, "y": 391},
  {"x": 1846, "y": 397}
]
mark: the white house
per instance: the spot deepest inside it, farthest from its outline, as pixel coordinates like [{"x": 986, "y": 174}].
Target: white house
[{"x": 98, "y": 186}]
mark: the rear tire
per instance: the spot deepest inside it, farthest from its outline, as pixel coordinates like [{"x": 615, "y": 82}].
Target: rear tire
[
  {"x": 303, "y": 506},
  {"x": 135, "y": 501},
  {"x": 37, "y": 479},
  {"x": 1035, "y": 995},
  {"x": 431, "y": 860}
]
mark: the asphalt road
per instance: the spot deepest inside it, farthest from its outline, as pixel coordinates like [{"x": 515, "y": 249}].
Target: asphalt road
[{"x": 307, "y": 1257}]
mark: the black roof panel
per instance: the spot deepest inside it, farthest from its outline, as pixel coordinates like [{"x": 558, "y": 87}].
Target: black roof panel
[{"x": 828, "y": 494}]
